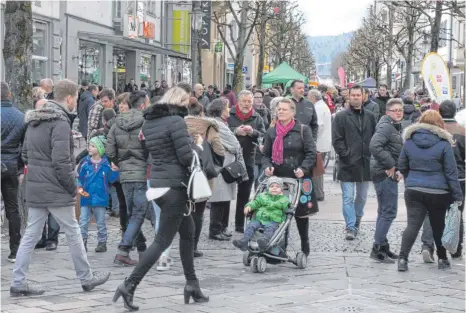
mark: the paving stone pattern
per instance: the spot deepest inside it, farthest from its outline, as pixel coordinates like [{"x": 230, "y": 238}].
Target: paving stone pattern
[{"x": 339, "y": 278}]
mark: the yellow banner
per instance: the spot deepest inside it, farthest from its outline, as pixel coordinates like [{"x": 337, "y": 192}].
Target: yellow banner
[{"x": 181, "y": 35}]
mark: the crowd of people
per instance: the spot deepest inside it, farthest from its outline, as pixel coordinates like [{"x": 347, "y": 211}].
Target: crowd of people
[{"x": 140, "y": 148}]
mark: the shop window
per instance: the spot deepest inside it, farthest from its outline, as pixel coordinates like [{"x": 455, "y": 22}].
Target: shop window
[
  {"x": 38, "y": 69},
  {"x": 119, "y": 70},
  {"x": 146, "y": 67},
  {"x": 90, "y": 55},
  {"x": 39, "y": 51}
]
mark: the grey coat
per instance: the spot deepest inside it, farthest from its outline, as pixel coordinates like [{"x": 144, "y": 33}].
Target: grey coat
[
  {"x": 48, "y": 153},
  {"x": 373, "y": 107},
  {"x": 223, "y": 191}
]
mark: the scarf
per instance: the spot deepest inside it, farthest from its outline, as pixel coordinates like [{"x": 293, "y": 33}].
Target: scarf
[
  {"x": 277, "y": 148},
  {"x": 242, "y": 116}
]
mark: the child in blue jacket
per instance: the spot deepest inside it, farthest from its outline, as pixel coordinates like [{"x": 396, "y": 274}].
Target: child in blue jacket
[{"x": 94, "y": 175}]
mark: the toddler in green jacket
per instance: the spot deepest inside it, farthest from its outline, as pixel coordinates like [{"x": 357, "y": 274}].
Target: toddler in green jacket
[{"x": 269, "y": 208}]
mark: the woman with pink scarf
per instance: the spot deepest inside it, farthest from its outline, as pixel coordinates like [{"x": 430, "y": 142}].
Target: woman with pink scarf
[{"x": 290, "y": 151}]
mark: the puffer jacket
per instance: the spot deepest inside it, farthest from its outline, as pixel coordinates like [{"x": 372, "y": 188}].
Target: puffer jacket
[
  {"x": 200, "y": 125},
  {"x": 459, "y": 133},
  {"x": 170, "y": 146},
  {"x": 427, "y": 159},
  {"x": 125, "y": 149},
  {"x": 269, "y": 208},
  {"x": 385, "y": 147},
  {"x": 13, "y": 128},
  {"x": 48, "y": 153}
]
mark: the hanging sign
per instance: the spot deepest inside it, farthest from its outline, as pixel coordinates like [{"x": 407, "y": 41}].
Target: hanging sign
[
  {"x": 204, "y": 33},
  {"x": 219, "y": 47}
]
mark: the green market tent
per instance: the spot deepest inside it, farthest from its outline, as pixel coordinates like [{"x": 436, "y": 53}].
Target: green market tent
[{"x": 283, "y": 74}]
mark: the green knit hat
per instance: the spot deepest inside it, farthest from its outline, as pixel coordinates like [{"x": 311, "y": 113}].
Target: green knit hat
[{"x": 99, "y": 142}]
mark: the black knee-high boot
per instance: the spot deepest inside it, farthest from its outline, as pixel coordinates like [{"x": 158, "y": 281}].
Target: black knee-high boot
[
  {"x": 198, "y": 217},
  {"x": 303, "y": 229}
]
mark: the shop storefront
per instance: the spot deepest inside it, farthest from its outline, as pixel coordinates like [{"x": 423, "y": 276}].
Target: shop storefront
[{"x": 90, "y": 61}]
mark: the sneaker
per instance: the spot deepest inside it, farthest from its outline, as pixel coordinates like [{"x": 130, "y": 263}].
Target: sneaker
[
  {"x": 241, "y": 244},
  {"x": 402, "y": 265},
  {"x": 379, "y": 253},
  {"x": 101, "y": 247},
  {"x": 458, "y": 255},
  {"x": 389, "y": 253},
  {"x": 99, "y": 278},
  {"x": 350, "y": 234},
  {"x": 12, "y": 258},
  {"x": 227, "y": 233},
  {"x": 28, "y": 290},
  {"x": 219, "y": 237},
  {"x": 124, "y": 260},
  {"x": 40, "y": 246},
  {"x": 357, "y": 225},
  {"x": 198, "y": 254},
  {"x": 427, "y": 254},
  {"x": 444, "y": 264},
  {"x": 164, "y": 264}
]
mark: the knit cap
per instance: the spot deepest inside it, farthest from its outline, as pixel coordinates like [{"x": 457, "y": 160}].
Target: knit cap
[
  {"x": 99, "y": 142},
  {"x": 275, "y": 180}
]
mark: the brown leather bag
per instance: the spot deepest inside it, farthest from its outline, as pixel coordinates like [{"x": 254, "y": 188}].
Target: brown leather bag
[{"x": 319, "y": 168}]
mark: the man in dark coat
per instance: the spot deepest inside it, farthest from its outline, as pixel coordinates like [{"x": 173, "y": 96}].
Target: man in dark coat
[
  {"x": 382, "y": 98},
  {"x": 131, "y": 86},
  {"x": 51, "y": 187},
  {"x": 13, "y": 128},
  {"x": 448, "y": 111},
  {"x": 411, "y": 114},
  {"x": 248, "y": 126},
  {"x": 352, "y": 130},
  {"x": 385, "y": 147},
  {"x": 305, "y": 110},
  {"x": 85, "y": 103},
  {"x": 370, "y": 105}
]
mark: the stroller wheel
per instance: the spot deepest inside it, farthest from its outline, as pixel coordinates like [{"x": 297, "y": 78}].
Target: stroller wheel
[
  {"x": 246, "y": 259},
  {"x": 301, "y": 260},
  {"x": 253, "y": 265},
  {"x": 261, "y": 264}
]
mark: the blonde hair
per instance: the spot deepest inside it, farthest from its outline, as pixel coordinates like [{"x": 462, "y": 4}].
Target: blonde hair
[
  {"x": 37, "y": 94},
  {"x": 173, "y": 96},
  {"x": 432, "y": 117}
]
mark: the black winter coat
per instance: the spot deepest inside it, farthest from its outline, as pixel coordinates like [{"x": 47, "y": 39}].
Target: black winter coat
[
  {"x": 84, "y": 107},
  {"x": 298, "y": 151},
  {"x": 13, "y": 129},
  {"x": 307, "y": 115},
  {"x": 170, "y": 146},
  {"x": 385, "y": 147},
  {"x": 351, "y": 135},
  {"x": 382, "y": 102},
  {"x": 48, "y": 153},
  {"x": 459, "y": 149},
  {"x": 248, "y": 143}
]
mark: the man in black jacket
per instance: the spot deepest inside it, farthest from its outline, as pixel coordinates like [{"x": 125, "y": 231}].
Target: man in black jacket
[
  {"x": 352, "y": 130},
  {"x": 370, "y": 105},
  {"x": 51, "y": 187},
  {"x": 382, "y": 98},
  {"x": 13, "y": 127},
  {"x": 305, "y": 110},
  {"x": 385, "y": 147},
  {"x": 248, "y": 126},
  {"x": 85, "y": 103},
  {"x": 448, "y": 111}
]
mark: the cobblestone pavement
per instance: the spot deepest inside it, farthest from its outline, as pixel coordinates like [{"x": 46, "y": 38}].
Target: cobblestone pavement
[{"x": 339, "y": 277}]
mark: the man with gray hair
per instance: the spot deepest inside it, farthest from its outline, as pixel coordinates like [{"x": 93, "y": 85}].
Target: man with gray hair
[
  {"x": 199, "y": 94},
  {"x": 51, "y": 187},
  {"x": 248, "y": 127},
  {"x": 46, "y": 85},
  {"x": 324, "y": 135}
]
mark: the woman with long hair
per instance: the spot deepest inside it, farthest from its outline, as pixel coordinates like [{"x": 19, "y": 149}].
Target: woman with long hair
[
  {"x": 166, "y": 137},
  {"x": 428, "y": 165}
]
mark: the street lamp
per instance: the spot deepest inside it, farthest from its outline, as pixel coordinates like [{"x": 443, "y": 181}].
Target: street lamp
[{"x": 196, "y": 26}]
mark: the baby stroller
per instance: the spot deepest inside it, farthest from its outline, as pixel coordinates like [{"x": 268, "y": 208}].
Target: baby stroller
[{"x": 275, "y": 250}]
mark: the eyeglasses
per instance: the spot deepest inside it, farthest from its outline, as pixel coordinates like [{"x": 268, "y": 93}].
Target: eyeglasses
[
  {"x": 396, "y": 111},
  {"x": 258, "y": 97}
]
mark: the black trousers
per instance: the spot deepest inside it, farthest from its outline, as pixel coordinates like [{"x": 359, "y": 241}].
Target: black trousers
[
  {"x": 244, "y": 191},
  {"x": 303, "y": 230},
  {"x": 198, "y": 217},
  {"x": 418, "y": 204},
  {"x": 9, "y": 189},
  {"x": 173, "y": 206},
  {"x": 219, "y": 217},
  {"x": 122, "y": 202},
  {"x": 50, "y": 232}
]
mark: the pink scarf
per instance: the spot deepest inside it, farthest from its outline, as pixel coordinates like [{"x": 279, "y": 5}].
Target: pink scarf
[{"x": 277, "y": 148}]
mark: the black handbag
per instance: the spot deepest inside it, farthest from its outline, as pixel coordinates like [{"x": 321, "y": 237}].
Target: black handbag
[
  {"x": 233, "y": 172},
  {"x": 207, "y": 158}
]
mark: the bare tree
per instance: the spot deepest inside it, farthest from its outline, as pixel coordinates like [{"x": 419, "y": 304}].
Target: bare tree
[
  {"x": 245, "y": 18},
  {"x": 17, "y": 51}
]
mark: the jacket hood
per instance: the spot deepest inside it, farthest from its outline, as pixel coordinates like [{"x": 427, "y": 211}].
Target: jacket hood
[
  {"x": 49, "y": 112},
  {"x": 203, "y": 122},
  {"x": 129, "y": 121},
  {"x": 409, "y": 108},
  {"x": 426, "y": 135},
  {"x": 159, "y": 110}
]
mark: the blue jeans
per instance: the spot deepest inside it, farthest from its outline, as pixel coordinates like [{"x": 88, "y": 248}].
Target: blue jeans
[
  {"x": 353, "y": 205},
  {"x": 115, "y": 202},
  {"x": 253, "y": 226},
  {"x": 136, "y": 204},
  {"x": 157, "y": 212},
  {"x": 85, "y": 217},
  {"x": 387, "y": 198}
]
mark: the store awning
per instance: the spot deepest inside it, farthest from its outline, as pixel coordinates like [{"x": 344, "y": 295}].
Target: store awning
[{"x": 131, "y": 44}]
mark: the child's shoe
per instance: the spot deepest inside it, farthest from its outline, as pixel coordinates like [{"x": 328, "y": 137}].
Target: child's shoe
[{"x": 241, "y": 244}]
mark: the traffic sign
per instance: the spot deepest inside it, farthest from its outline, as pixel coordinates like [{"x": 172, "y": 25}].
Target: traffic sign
[{"x": 245, "y": 69}]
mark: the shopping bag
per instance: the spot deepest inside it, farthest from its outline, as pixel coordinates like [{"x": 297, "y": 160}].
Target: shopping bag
[{"x": 451, "y": 233}]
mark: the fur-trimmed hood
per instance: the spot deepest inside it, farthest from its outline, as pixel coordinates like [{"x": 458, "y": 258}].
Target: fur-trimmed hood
[
  {"x": 49, "y": 112},
  {"x": 202, "y": 122},
  {"x": 159, "y": 110},
  {"x": 426, "y": 135}
]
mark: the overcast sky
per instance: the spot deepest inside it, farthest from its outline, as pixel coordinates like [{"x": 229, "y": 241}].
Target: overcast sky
[{"x": 333, "y": 17}]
